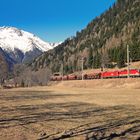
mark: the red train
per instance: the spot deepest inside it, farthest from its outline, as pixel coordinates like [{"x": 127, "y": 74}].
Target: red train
[{"x": 100, "y": 75}]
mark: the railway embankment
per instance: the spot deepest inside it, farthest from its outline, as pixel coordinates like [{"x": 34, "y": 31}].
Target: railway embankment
[{"x": 132, "y": 83}]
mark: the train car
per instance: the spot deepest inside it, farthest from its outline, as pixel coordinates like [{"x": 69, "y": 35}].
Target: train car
[
  {"x": 123, "y": 73},
  {"x": 72, "y": 77},
  {"x": 110, "y": 74},
  {"x": 65, "y": 77},
  {"x": 59, "y": 78},
  {"x": 92, "y": 76},
  {"x": 132, "y": 73},
  {"x": 79, "y": 76}
]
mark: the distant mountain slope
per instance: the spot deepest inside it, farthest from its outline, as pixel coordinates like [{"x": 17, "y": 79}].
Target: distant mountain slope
[{"x": 101, "y": 43}]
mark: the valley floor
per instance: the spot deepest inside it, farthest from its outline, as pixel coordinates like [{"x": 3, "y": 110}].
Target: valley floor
[{"x": 63, "y": 112}]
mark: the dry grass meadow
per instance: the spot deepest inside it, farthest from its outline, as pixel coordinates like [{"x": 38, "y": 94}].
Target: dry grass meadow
[{"x": 70, "y": 112}]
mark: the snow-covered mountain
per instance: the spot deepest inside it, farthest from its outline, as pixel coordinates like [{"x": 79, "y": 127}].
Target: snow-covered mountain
[{"x": 22, "y": 46}]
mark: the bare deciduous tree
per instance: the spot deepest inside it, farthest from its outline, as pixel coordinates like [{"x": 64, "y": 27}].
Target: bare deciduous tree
[
  {"x": 29, "y": 78},
  {"x": 3, "y": 70}
]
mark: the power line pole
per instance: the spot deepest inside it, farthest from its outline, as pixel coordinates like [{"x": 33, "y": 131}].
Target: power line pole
[
  {"x": 82, "y": 66},
  {"x": 128, "y": 62},
  {"x": 62, "y": 72}
]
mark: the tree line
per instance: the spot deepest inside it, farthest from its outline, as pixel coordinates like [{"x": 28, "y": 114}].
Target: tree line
[{"x": 23, "y": 76}]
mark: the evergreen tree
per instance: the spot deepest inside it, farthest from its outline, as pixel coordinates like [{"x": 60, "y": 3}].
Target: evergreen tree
[
  {"x": 90, "y": 58},
  {"x": 97, "y": 60},
  {"x": 121, "y": 58}
]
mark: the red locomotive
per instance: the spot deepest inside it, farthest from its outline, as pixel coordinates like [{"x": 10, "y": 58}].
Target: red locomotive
[
  {"x": 110, "y": 74},
  {"x": 132, "y": 73},
  {"x": 100, "y": 75}
]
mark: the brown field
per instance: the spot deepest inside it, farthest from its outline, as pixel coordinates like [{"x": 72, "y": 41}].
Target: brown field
[{"x": 63, "y": 112}]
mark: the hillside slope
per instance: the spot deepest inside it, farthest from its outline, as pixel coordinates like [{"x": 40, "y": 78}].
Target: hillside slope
[{"x": 102, "y": 43}]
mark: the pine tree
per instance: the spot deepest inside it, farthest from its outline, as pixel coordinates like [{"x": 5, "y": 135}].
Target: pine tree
[
  {"x": 121, "y": 58},
  {"x": 90, "y": 58}
]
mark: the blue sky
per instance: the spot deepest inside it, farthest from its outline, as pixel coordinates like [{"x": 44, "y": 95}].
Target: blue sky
[{"x": 51, "y": 20}]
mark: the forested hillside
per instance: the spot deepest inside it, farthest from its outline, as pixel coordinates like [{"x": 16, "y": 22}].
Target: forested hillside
[{"x": 102, "y": 43}]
